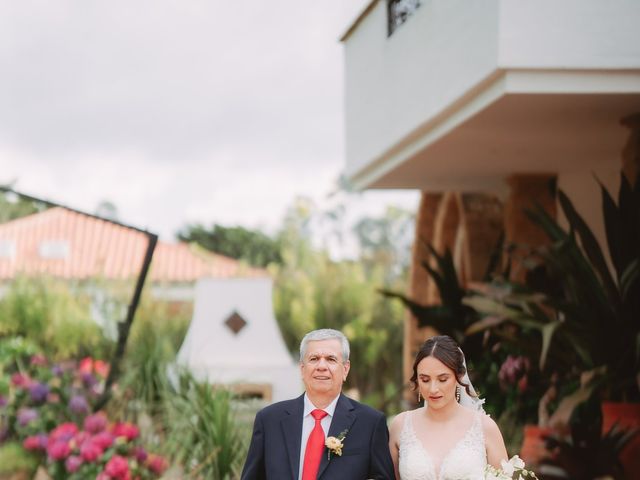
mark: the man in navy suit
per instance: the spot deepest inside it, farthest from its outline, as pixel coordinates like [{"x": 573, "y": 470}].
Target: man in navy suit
[{"x": 288, "y": 441}]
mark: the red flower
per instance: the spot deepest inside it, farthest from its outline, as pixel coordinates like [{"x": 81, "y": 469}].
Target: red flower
[
  {"x": 35, "y": 442},
  {"x": 89, "y": 365},
  {"x": 125, "y": 429},
  {"x": 101, "y": 368},
  {"x": 86, "y": 365},
  {"x": 157, "y": 464},
  {"x": 118, "y": 468},
  {"x": 58, "y": 450}
]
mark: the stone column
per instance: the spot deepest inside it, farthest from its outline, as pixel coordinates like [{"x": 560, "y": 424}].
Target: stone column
[
  {"x": 418, "y": 282},
  {"x": 527, "y": 190}
]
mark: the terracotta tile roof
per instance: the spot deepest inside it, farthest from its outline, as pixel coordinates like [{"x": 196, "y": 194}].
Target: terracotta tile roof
[{"x": 88, "y": 247}]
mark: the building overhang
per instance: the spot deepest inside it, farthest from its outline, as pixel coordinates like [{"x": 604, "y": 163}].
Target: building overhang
[{"x": 515, "y": 121}]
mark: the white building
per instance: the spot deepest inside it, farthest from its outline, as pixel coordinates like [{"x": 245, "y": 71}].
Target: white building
[
  {"x": 234, "y": 340},
  {"x": 480, "y": 104}
]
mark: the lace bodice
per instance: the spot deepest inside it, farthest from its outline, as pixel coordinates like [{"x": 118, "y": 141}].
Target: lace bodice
[{"x": 465, "y": 461}]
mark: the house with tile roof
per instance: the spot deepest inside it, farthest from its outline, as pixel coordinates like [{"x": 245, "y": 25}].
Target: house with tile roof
[
  {"x": 233, "y": 328},
  {"x": 69, "y": 245}
]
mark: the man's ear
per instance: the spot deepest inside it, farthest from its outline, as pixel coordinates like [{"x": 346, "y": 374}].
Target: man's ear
[{"x": 347, "y": 366}]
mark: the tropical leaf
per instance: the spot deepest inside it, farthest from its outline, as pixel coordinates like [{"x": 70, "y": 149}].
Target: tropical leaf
[{"x": 590, "y": 245}]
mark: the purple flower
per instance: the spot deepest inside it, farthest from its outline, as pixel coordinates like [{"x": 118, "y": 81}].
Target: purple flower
[
  {"x": 88, "y": 379},
  {"x": 26, "y": 416},
  {"x": 513, "y": 369},
  {"x": 57, "y": 370},
  {"x": 39, "y": 392},
  {"x": 3, "y": 401},
  {"x": 78, "y": 404},
  {"x": 140, "y": 454}
]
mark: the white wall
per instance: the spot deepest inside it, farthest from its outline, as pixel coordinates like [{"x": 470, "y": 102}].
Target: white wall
[
  {"x": 395, "y": 83},
  {"x": 568, "y": 34},
  {"x": 398, "y": 87}
]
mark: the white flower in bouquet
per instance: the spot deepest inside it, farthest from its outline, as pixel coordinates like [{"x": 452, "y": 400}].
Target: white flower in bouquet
[{"x": 513, "y": 469}]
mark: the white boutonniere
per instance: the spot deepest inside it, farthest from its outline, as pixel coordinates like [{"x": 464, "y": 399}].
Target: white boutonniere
[{"x": 334, "y": 444}]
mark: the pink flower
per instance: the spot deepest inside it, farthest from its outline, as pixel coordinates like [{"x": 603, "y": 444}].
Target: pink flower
[
  {"x": 125, "y": 429},
  {"x": 157, "y": 464},
  {"x": 118, "y": 468},
  {"x": 90, "y": 451},
  {"x": 63, "y": 432},
  {"x": 73, "y": 463},
  {"x": 86, "y": 365},
  {"x": 103, "y": 476},
  {"x": 95, "y": 423},
  {"x": 101, "y": 368},
  {"x": 38, "y": 360},
  {"x": 103, "y": 440},
  {"x": 35, "y": 442},
  {"x": 20, "y": 380},
  {"x": 58, "y": 450}
]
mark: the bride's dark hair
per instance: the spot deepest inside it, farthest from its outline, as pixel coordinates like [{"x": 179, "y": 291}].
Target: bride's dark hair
[{"x": 445, "y": 349}]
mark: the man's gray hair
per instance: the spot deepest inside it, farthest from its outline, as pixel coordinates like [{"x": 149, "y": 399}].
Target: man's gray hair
[{"x": 325, "y": 334}]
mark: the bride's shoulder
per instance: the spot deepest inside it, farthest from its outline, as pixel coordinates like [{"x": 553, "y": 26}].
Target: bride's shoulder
[
  {"x": 489, "y": 426},
  {"x": 398, "y": 421}
]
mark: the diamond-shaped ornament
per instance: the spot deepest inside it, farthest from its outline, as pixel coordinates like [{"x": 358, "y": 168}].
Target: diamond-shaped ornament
[{"x": 235, "y": 322}]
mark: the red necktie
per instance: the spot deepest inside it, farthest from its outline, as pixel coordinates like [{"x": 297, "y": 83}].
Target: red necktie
[{"x": 315, "y": 445}]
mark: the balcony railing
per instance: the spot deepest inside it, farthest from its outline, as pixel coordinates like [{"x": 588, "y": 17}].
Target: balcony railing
[{"x": 398, "y": 11}]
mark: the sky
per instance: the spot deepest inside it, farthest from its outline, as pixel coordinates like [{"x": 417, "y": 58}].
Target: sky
[{"x": 177, "y": 111}]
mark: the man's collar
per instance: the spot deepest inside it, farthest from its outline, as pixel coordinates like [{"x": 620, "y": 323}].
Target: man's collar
[{"x": 309, "y": 407}]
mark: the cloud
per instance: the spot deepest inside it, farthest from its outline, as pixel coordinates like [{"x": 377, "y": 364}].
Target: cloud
[{"x": 199, "y": 110}]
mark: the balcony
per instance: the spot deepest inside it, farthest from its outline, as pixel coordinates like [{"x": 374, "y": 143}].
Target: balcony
[{"x": 463, "y": 93}]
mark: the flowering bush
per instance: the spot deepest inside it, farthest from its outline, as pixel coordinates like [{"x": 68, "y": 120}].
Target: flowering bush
[
  {"x": 47, "y": 407},
  {"x": 99, "y": 450},
  {"x": 38, "y": 395},
  {"x": 514, "y": 469}
]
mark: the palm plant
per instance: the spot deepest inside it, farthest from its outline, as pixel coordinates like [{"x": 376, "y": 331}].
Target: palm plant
[
  {"x": 451, "y": 316},
  {"x": 587, "y": 321}
]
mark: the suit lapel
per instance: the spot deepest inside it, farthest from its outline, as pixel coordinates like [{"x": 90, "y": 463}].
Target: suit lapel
[
  {"x": 343, "y": 418},
  {"x": 292, "y": 431}
]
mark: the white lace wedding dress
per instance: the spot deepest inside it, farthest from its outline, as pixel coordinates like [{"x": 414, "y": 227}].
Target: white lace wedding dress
[{"x": 465, "y": 461}]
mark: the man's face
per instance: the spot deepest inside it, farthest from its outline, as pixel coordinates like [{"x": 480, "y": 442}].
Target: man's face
[{"x": 323, "y": 369}]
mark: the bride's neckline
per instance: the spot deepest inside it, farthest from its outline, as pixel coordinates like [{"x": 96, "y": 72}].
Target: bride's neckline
[{"x": 437, "y": 468}]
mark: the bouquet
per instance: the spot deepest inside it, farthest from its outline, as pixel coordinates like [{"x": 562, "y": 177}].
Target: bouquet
[{"x": 514, "y": 469}]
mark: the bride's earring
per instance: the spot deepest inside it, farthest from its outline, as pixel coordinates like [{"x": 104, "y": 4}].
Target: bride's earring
[
  {"x": 419, "y": 399},
  {"x": 457, "y": 394}
]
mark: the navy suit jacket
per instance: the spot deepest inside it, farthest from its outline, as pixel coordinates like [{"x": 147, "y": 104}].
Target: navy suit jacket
[{"x": 274, "y": 453}]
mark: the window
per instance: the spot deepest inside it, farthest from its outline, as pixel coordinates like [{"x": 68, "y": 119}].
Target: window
[
  {"x": 54, "y": 249},
  {"x": 7, "y": 249},
  {"x": 399, "y": 11}
]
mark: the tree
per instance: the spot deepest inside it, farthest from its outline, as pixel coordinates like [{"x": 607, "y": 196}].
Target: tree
[
  {"x": 13, "y": 206},
  {"x": 252, "y": 246},
  {"x": 314, "y": 291}
]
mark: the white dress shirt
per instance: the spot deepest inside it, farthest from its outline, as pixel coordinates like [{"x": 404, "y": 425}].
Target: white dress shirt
[{"x": 308, "y": 422}]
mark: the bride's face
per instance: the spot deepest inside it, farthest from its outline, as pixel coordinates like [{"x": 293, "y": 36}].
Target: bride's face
[{"x": 436, "y": 382}]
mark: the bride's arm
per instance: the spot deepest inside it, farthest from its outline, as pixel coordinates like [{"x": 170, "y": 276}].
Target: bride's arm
[
  {"x": 496, "y": 451},
  {"x": 394, "y": 439}
]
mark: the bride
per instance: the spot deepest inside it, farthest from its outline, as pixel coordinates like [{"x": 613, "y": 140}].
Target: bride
[{"x": 450, "y": 437}]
